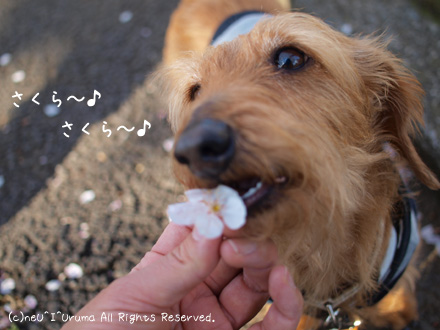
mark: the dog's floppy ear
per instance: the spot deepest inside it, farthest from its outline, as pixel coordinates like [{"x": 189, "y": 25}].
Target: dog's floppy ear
[{"x": 396, "y": 98}]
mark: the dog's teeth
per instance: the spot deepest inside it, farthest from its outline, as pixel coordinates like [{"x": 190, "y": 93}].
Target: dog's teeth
[
  {"x": 253, "y": 190},
  {"x": 280, "y": 179}
]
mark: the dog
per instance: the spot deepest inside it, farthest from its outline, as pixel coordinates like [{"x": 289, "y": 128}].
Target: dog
[{"x": 300, "y": 120}]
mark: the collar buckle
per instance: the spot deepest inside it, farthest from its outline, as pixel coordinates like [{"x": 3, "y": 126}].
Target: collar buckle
[{"x": 336, "y": 320}]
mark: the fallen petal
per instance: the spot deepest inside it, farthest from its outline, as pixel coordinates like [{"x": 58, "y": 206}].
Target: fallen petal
[
  {"x": 125, "y": 16},
  {"x": 73, "y": 271},
  {"x": 53, "y": 285},
  {"x": 87, "y": 196},
  {"x": 5, "y": 59},
  {"x": 51, "y": 110},
  {"x": 30, "y": 301},
  {"x": 18, "y": 76},
  {"x": 168, "y": 144},
  {"x": 347, "y": 29},
  {"x": 7, "y": 286},
  {"x": 429, "y": 236},
  {"x": 115, "y": 205}
]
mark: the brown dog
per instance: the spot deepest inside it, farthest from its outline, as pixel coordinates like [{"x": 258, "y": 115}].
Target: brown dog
[{"x": 302, "y": 113}]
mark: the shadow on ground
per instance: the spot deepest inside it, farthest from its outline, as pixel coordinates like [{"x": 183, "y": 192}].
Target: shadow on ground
[{"x": 74, "y": 48}]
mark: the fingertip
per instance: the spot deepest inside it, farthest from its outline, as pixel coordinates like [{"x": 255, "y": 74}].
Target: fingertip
[
  {"x": 206, "y": 251},
  {"x": 286, "y": 296}
]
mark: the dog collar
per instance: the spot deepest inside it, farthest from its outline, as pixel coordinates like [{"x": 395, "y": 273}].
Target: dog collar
[
  {"x": 401, "y": 247},
  {"x": 235, "y": 25},
  {"x": 402, "y": 244}
]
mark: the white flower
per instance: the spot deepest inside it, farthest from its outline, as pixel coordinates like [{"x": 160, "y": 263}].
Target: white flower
[{"x": 209, "y": 210}]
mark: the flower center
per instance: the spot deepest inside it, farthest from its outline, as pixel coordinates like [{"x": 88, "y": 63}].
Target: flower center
[{"x": 216, "y": 208}]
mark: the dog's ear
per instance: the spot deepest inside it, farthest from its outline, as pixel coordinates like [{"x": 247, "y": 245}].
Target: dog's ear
[{"x": 396, "y": 98}]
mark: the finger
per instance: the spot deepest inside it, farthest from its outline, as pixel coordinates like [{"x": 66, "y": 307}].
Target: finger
[
  {"x": 172, "y": 236},
  {"x": 256, "y": 259},
  {"x": 240, "y": 302},
  {"x": 220, "y": 277},
  {"x": 242, "y": 253},
  {"x": 286, "y": 309},
  {"x": 177, "y": 273},
  {"x": 244, "y": 296}
]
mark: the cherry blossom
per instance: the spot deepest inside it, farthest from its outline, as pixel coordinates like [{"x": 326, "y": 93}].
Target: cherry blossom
[{"x": 209, "y": 210}]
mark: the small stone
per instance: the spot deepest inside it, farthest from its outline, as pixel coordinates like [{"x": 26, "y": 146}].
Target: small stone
[
  {"x": 18, "y": 76},
  {"x": 30, "y": 301},
  {"x": 115, "y": 205},
  {"x": 51, "y": 110},
  {"x": 140, "y": 168},
  {"x": 87, "y": 196},
  {"x": 2, "y": 180},
  {"x": 5, "y": 59},
  {"x": 125, "y": 16},
  {"x": 7, "y": 286},
  {"x": 53, "y": 285},
  {"x": 73, "y": 271},
  {"x": 101, "y": 157},
  {"x": 347, "y": 28},
  {"x": 168, "y": 144}
]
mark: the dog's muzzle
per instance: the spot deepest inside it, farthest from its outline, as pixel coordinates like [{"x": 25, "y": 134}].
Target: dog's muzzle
[{"x": 207, "y": 147}]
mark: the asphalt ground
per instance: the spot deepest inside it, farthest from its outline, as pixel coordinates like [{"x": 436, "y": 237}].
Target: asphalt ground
[{"x": 72, "y": 48}]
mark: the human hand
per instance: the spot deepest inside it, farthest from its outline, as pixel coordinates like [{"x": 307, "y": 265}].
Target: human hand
[{"x": 189, "y": 282}]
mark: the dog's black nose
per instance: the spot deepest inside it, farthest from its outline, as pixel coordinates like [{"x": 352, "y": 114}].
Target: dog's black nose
[{"x": 207, "y": 147}]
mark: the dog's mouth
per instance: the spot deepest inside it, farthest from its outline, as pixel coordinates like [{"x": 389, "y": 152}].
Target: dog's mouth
[{"x": 256, "y": 194}]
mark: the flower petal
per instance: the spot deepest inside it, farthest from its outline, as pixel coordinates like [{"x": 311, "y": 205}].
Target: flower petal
[
  {"x": 224, "y": 193},
  {"x": 234, "y": 213},
  {"x": 185, "y": 213},
  {"x": 209, "y": 226},
  {"x": 197, "y": 195}
]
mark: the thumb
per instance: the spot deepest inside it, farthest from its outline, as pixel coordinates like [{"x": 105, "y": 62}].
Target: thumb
[{"x": 166, "y": 281}]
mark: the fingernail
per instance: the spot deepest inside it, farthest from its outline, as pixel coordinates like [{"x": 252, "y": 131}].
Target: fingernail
[
  {"x": 233, "y": 245},
  {"x": 196, "y": 235},
  {"x": 243, "y": 248}
]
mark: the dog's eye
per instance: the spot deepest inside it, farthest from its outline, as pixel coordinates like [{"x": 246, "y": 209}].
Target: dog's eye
[
  {"x": 290, "y": 59},
  {"x": 194, "y": 91}
]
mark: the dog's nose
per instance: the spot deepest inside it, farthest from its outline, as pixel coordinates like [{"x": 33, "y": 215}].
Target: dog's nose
[{"x": 207, "y": 147}]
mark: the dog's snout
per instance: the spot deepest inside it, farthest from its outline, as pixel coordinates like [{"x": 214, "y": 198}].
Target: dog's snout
[{"x": 207, "y": 147}]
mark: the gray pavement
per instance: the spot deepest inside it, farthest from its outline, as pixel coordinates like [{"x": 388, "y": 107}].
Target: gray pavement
[{"x": 76, "y": 47}]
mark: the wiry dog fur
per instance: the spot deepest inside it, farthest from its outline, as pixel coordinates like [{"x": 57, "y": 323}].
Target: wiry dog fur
[{"x": 322, "y": 127}]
